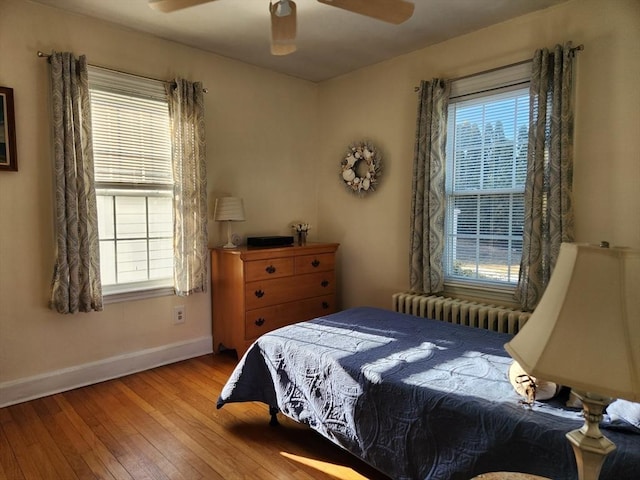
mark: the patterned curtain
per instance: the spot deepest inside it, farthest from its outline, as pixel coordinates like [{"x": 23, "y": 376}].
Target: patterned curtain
[
  {"x": 548, "y": 216},
  {"x": 186, "y": 110},
  {"x": 428, "y": 200},
  {"x": 76, "y": 283}
]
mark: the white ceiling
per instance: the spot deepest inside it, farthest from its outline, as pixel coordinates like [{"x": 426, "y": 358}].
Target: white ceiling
[{"x": 330, "y": 41}]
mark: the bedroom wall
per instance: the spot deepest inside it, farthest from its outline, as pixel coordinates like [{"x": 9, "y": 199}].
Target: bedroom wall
[
  {"x": 247, "y": 109},
  {"x": 379, "y": 103},
  {"x": 288, "y": 177}
]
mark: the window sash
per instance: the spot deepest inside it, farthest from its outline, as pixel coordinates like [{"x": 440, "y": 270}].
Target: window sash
[
  {"x": 131, "y": 139},
  {"x": 134, "y": 180},
  {"x": 136, "y": 238},
  {"x": 487, "y": 249},
  {"x": 487, "y": 174}
]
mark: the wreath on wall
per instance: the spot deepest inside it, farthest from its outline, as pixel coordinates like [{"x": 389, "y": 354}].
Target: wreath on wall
[{"x": 361, "y": 168}]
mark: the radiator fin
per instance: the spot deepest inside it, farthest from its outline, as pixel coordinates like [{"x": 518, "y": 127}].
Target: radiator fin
[{"x": 462, "y": 312}]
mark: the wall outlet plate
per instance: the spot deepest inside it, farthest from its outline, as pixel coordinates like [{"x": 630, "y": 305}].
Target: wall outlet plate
[{"x": 179, "y": 314}]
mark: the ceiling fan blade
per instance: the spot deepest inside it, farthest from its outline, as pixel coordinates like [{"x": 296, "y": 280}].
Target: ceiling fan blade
[
  {"x": 167, "y": 6},
  {"x": 391, "y": 11},
  {"x": 283, "y": 28}
]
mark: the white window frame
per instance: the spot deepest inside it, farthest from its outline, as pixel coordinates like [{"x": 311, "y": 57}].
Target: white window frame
[
  {"x": 144, "y": 88},
  {"x": 488, "y": 84}
]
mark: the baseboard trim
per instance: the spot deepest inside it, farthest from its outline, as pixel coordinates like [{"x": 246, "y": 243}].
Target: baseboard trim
[{"x": 24, "y": 389}]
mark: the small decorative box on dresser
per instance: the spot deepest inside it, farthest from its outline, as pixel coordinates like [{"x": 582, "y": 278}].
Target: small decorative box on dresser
[{"x": 255, "y": 290}]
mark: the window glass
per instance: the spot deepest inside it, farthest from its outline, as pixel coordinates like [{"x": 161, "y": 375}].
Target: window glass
[
  {"x": 134, "y": 184},
  {"x": 486, "y": 173}
]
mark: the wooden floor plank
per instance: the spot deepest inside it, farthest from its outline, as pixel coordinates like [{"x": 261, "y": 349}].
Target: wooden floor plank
[
  {"x": 9, "y": 466},
  {"x": 99, "y": 455},
  {"x": 78, "y": 445},
  {"x": 163, "y": 424},
  {"x": 122, "y": 438},
  {"x": 161, "y": 447},
  {"x": 20, "y": 443},
  {"x": 180, "y": 447},
  {"x": 72, "y": 456},
  {"x": 46, "y": 409}
]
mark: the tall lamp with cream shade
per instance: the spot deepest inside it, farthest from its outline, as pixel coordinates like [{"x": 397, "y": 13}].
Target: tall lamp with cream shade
[
  {"x": 229, "y": 209},
  {"x": 585, "y": 334}
]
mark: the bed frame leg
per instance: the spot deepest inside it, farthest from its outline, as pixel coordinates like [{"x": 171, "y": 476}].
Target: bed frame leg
[{"x": 274, "y": 419}]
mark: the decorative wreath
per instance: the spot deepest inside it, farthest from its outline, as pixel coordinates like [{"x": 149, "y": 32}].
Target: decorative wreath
[{"x": 361, "y": 168}]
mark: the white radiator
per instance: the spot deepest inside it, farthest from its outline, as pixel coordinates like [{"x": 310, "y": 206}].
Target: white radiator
[{"x": 463, "y": 312}]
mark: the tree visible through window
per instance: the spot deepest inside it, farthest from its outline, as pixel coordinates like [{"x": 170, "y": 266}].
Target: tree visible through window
[{"x": 486, "y": 173}]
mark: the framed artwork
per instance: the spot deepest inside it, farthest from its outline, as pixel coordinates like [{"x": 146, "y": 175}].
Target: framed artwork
[{"x": 8, "y": 155}]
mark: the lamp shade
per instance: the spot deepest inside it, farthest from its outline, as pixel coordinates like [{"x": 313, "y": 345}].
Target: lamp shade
[
  {"x": 230, "y": 209},
  {"x": 585, "y": 332}
]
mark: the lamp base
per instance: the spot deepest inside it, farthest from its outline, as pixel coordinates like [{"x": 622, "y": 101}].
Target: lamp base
[
  {"x": 230, "y": 243},
  {"x": 590, "y": 446}
]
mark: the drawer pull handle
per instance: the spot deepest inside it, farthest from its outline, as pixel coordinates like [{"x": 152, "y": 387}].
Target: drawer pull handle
[
  {"x": 325, "y": 305},
  {"x": 259, "y": 322},
  {"x": 259, "y": 293},
  {"x": 315, "y": 263},
  {"x": 325, "y": 283},
  {"x": 270, "y": 269}
]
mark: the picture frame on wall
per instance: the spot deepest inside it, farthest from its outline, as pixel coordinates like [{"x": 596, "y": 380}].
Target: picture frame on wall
[{"x": 8, "y": 155}]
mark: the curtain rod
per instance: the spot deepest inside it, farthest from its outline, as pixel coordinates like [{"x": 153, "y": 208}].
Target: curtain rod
[
  {"x": 47, "y": 56},
  {"x": 572, "y": 52}
]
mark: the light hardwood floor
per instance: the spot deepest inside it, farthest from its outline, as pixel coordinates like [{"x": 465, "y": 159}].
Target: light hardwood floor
[{"x": 163, "y": 424}]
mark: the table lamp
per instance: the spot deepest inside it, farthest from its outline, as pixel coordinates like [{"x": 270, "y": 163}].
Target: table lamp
[
  {"x": 229, "y": 209},
  {"x": 585, "y": 334}
]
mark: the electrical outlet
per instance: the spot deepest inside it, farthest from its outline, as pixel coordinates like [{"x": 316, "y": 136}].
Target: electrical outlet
[{"x": 179, "y": 314}]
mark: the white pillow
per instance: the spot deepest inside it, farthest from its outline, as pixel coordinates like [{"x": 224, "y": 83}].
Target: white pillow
[
  {"x": 623, "y": 412},
  {"x": 531, "y": 388}
]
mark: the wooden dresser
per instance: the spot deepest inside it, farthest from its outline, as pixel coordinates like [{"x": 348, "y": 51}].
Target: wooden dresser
[{"x": 255, "y": 290}]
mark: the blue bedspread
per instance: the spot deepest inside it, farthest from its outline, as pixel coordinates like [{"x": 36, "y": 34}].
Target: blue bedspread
[{"x": 415, "y": 398}]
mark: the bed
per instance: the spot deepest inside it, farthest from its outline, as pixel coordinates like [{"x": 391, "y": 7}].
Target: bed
[{"x": 415, "y": 398}]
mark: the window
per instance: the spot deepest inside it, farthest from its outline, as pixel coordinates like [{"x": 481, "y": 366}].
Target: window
[
  {"x": 486, "y": 165},
  {"x": 134, "y": 182}
]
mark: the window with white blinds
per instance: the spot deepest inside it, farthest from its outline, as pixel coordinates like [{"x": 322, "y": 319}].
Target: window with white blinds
[
  {"x": 486, "y": 164},
  {"x": 134, "y": 182}
]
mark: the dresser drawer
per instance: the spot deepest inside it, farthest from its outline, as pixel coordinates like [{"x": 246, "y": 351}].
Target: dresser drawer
[
  {"x": 264, "y": 320},
  {"x": 269, "y": 268},
  {"x": 315, "y": 263},
  {"x": 255, "y": 290},
  {"x": 264, "y": 293}
]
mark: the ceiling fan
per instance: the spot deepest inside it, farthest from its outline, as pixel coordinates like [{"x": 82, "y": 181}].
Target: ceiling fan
[{"x": 283, "y": 15}]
